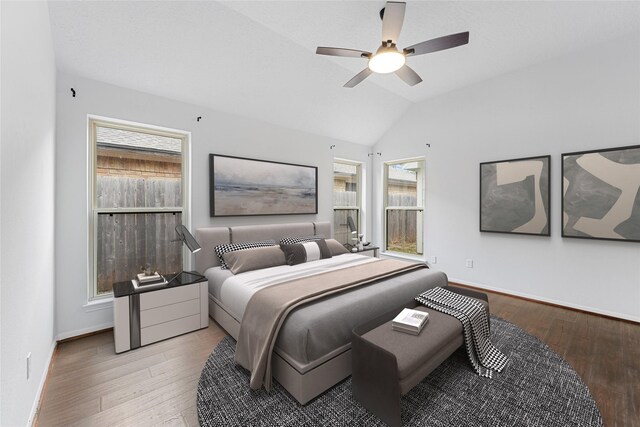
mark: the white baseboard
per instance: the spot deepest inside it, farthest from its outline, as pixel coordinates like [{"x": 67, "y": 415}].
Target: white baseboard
[
  {"x": 36, "y": 402},
  {"x": 77, "y": 332},
  {"x": 548, "y": 300}
]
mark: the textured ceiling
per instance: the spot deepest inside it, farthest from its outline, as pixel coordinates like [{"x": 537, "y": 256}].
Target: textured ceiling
[{"x": 257, "y": 59}]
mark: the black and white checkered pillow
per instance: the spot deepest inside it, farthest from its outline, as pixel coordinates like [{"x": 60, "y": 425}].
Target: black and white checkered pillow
[
  {"x": 232, "y": 247},
  {"x": 300, "y": 239}
]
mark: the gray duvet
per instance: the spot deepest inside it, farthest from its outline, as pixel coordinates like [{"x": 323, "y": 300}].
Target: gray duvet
[{"x": 318, "y": 331}]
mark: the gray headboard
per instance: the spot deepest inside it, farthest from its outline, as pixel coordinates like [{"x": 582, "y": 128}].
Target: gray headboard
[{"x": 210, "y": 237}]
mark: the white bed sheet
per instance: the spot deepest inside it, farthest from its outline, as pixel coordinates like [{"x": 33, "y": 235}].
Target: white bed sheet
[{"x": 236, "y": 290}]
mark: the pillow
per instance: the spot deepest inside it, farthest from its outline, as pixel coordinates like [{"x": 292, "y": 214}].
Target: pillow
[
  {"x": 305, "y": 252},
  {"x": 336, "y": 248},
  {"x": 223, "y": 249},
  {"x": 300, "y": 239},
  {"x": 254, "y": 259}
]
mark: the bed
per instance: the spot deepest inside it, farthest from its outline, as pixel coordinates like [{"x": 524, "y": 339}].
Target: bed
[{"x": 313, "y": 349}]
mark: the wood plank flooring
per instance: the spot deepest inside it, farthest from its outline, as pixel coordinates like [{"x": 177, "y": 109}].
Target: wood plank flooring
[
  {"x": 90, "y": 385},
  {"x": 605, "y": 352}
]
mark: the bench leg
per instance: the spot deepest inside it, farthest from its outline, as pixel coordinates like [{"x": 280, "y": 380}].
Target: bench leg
[{"x": 375, "y": 381}]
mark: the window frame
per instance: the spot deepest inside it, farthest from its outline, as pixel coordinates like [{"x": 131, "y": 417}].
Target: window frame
[
  {"x": 421, "y": 183},
  {"x": 93, "y": 122},
  {"x": 359, "y": 193}
]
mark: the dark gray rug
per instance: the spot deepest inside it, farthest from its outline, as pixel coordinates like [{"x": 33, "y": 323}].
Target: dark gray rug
[{"x": 537, "y": 388}]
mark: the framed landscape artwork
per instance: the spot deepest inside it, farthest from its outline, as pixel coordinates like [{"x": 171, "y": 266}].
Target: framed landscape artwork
[
  {"x": 600, "y": 194},
  {"x": 514, "y": 196},
  {"x": 240, "y": 186}
]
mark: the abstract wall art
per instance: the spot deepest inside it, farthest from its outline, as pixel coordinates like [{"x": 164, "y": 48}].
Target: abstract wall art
[
  {"x": 601, "y": 194},
  {"x": 514, "y": 196},
  {"x": 240, "y": 186}
]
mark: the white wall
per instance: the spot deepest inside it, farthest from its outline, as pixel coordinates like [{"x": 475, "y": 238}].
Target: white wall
[
  {"x": 217, "y": 132},
  {"x": 1, "y": 138},
  {"x": 27, "y": 207},
  {"x": 587, "y": 100}
]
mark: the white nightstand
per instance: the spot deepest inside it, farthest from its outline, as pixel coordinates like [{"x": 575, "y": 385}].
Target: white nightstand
[{"x": 145, "y": 316}]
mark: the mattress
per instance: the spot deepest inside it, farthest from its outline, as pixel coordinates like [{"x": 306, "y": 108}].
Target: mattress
[{"x": 316, "y": 332}]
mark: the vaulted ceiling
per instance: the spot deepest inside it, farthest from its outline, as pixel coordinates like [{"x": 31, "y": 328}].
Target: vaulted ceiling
[{"x": 257, "y": 58}]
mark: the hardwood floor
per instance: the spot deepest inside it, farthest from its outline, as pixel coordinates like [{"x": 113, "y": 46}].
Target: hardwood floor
[
  {"x": 90, "y": 385},
  {"x": 603, "y": 351}
]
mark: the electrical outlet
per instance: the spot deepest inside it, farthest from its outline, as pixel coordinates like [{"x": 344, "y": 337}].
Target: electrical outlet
[
  {"x": 469, "y": 263},
  {"x": 28, "y": 364},
  {"x": 433, "y": 260}
]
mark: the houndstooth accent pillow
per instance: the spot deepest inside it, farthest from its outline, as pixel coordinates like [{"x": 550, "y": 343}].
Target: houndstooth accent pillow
[
  {"x": 232, "y": 247},
  {"x": 300, "y": 239}
]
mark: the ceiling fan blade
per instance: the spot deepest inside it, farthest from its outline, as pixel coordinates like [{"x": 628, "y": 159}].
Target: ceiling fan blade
[
  {"x": 392, "y": 21},
  {"x": 338, "y": 51},
  {"x": 440, "y": 43},
  {"x": 409, "y": 76},
  {"x": 359, "y": 77}
]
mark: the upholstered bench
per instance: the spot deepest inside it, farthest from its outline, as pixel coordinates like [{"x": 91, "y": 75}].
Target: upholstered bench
[{"x": 387, "y": 364}]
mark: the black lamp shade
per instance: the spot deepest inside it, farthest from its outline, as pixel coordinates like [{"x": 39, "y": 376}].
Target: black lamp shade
[
  {"x": 351, "y": 225},
  {"x": 187, "y": 238}
]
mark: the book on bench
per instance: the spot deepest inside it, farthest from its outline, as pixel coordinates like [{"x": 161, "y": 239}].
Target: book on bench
[{"x": 410, "y": 321}]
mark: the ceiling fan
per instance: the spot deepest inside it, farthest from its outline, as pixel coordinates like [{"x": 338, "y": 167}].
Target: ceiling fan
[{"x": 387, "y": 58}]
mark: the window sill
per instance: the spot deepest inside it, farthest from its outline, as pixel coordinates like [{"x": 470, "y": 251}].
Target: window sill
[
  {"x": 99, "y": 304},
  {"x": 403, "y": 256}
]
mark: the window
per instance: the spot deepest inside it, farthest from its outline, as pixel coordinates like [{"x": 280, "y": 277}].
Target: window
[
  {"x": 404, "y": 183},
  {"x": 351, "y": 186},
  {"x": 138, "y": 197},
  {"x": 346, "y": 200}
]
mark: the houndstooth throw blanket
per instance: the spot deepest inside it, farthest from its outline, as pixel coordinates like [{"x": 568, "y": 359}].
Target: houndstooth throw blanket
[{"x": 484, "y": 357}]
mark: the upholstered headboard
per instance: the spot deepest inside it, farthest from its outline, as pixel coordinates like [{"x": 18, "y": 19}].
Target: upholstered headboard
[{"x": 211, "y": 237}]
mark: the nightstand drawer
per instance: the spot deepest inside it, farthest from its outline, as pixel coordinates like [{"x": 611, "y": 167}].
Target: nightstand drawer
[
  {"x": 169, "y": 296},
  {"x": 170, "y": 312},
  {"x": 169, "y": 329}
]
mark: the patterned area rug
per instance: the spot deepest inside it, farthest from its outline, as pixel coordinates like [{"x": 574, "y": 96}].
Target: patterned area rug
[{"x": 537, "y": 388}]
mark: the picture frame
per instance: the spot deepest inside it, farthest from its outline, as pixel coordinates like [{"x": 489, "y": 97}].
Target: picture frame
[
  {"x": 601, "y": 194},
  {"x": 241, "y": 186},
  {"x": 515, "y": 196}
]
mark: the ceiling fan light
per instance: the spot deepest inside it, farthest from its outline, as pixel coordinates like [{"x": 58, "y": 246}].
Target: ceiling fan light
[{"x": 386, "y": 62}]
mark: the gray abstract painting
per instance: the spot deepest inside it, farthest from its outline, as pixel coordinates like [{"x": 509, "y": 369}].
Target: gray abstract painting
[
  {"x": 514, "y": 196},
  {"x": 601, "y": 194}
]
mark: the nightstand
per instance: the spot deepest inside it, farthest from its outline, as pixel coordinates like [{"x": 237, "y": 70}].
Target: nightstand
[
  {"x": 368, "y": 250},
  {"x": 145, "y": 316}
]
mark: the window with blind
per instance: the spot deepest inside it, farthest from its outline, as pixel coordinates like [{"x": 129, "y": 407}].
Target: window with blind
[
  {"x": 138, "y": 197},
  {"x": 404, "y": 187},
  {"x": 347, "y": 182}
]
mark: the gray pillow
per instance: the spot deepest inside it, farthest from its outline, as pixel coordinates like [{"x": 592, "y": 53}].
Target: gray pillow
[
  {"x": 254, "y": 259},
  {"x": 305, "y": 252},
  {"x": 336, "y": 247}
]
